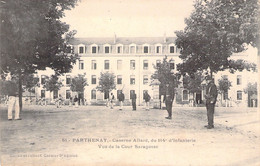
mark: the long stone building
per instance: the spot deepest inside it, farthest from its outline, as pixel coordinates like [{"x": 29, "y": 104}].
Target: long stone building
[{"x": 132, "y": 61}]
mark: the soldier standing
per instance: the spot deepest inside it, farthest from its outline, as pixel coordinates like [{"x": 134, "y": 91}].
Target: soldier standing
[
  {"x": 169, "y": 96},
  {"x": 133, "y": 98},
  {"x": 211, "y": 98}
]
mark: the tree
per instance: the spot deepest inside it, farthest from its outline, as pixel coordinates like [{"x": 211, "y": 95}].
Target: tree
[
  {"x": 165, "y": 75},
  {"x": 32, "y": 37},
  {"x": 29, "y": 82},
  {"x": 193, "y": 83},
  {"x": 215, "y": 30},
  {"x": 223, "y": 86},
  {"x": 52, "y": 84},
  {"x": 106, "y": 82},
  {"x": 251, "y": 90},
  {"x": 78, "y": 84}
]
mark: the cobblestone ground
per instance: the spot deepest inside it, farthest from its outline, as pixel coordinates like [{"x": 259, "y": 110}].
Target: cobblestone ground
[{"x": 97, "y": 135}]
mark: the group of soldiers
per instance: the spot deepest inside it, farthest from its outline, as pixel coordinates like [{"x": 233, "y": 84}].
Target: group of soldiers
[
  {"x": 121, "y": 99},
  {"x": 211, "y": 98}
]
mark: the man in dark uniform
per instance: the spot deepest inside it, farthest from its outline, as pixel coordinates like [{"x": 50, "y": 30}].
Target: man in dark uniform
[
  {"x": 133, "y": 98},
  {"x": 211, "y": 98},
  {"x": 169, "y": 96}
]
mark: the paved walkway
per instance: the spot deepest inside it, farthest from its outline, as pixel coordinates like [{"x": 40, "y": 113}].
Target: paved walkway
[{"x": 97, "y": 135}]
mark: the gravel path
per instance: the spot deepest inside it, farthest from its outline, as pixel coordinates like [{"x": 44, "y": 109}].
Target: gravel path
[{"x": 96, "y": 135}]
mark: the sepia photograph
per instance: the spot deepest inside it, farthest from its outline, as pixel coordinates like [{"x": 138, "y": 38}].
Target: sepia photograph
[{"x": 129, "y": 83}]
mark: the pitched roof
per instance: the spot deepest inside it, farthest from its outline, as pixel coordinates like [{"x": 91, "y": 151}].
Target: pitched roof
[{"x": 122, "y": 40}]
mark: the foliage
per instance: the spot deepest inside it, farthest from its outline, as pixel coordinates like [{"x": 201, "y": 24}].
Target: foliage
[
  {"x": 251, "y": 87},
  {"x": 53, "y": 83},
  {"x": 215, "y": 30},
  {"x": 193, "y": 82},
  {"x": 224, "y": 85},
  {"x": 106, "y": 82},
  {"x": 78, "y": 83},
  {"x": 29, "y": 82},
  {"x": 165, "y": 74},
  {"x": 31, "y": 37}
]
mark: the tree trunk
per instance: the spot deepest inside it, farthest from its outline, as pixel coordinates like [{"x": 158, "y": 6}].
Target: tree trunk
[{"x": 20, "y": 90}]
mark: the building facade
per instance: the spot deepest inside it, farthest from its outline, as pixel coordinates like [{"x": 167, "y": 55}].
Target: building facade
[{"x": 132, "y": 61}]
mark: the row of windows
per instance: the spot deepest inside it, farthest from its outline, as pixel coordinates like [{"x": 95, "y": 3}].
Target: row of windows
[
  {"x": 185, "y": 95},
  {"x": 120, "y": 64},
  {"x": 94, "y": 79},
  {"x": 119, "y": 49},
  {"x": 239, "y": 79}
]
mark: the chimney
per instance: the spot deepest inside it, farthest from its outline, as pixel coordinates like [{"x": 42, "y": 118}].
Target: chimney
[{"x": 164, "y": 37}]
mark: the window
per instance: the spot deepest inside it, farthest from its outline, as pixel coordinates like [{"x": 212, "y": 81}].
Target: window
[
  {"x": 119, "y": 79},
  {"x": 131, "y": 92},
  {"x": 94, "y": 49},
  {"x": 117, "y": 93},
  {"x": 172, "y": 65},
  {"x": 93, "y": 94},
  {"x": 106, "y": 64},
  {"x": 145, "y": 64},
  {"x": 68, "y": 94},
  {"x": 132, "y": 64},
  {"x": 107, "y": 49},
  {"x": 171, "y": 49},
  {"x": 158, "y": 49},
  {"x": 239, "y": 95},
  {"x": 42, "y": 93},
  {"x": 158, "y": 62},
  {"x": 81, "y": 50},
  {"x": 81, "y": 64},
  {"x": 145, "y": 80},
  {"x": 119, "y": 49},
  {"x": 144, "y": 91},
  {"x": 55, "y": 94},
  {"x": 93, "y": 64},
  {"x": 119, "y": 64},
  {"x": 145, "y": 49},
  {"x": 132, "y": 79},
  {"x": 239, "y": 80},
  {"x": 43, "y": 79},
  {"x": 132, "y": 49},
  {"x": 68, "y": 79},
  {"x": 93, "y": 79},
  {"x": 185, "y": 96}
]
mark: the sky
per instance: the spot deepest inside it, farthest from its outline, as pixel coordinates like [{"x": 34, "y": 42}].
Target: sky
[{"x": 128, "y": 18}]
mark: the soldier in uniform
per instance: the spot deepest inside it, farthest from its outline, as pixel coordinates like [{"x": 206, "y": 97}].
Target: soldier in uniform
[
  {"x": 169, "y": 96},
  {"x": 211, "y": 98}
]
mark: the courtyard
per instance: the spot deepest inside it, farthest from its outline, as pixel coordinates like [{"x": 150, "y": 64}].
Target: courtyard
[{"x": 98, "y": 135}]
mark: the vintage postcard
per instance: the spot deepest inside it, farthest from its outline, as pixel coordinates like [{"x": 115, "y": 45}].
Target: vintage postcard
[{"x": 129, "y": 83}]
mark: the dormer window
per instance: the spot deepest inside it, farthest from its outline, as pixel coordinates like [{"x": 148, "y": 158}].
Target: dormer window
[
  {"x": 171, "y": 49},
  {"x": 158, "y": 48},
  {"x": 106, "y": 49},
  {"x": 81, "y": 49},
  {"x": 132, "y": 48},
  {"x": 145, "y": 49},
  {"x": 119, "y": 49},
  {"x": 94, "y": 49}
]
